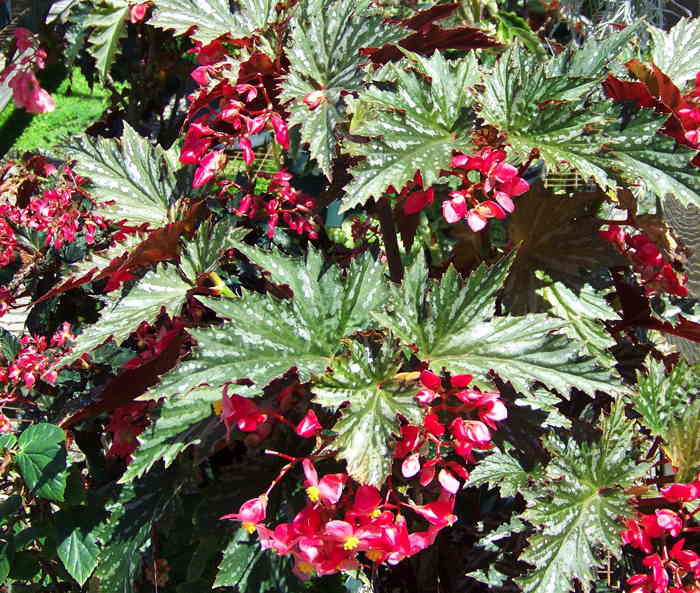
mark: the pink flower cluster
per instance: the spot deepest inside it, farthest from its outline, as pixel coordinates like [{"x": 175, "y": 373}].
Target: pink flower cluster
[
  {"x": 20, "y": 76},
  {"x": 35, "y": 360},
  {"x": 321, "y": 542},
  {"x": 467, "y": 433},
  {"x": 282, "y": 200},
  {"x": 489, "y": 197},
  {"x": 59, "y": 213},
  {"x": 226, "y": 114},
  {"x": 672, "y": 568},
  {"x": 342, "y": 518},
  {"x": 658, "y": 275}
]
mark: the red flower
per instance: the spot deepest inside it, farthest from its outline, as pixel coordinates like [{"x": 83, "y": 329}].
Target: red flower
[{"x": 242, "y": 413}]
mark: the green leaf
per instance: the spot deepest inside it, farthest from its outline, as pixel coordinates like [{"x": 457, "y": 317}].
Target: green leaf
[
  {"x": 7, "y": 552},
  {"x": 324, "y": 54},
  {"x": 201, "y": 254},
  {"x": 365, "y": 380},
  {"x": 77, "y": 547},
  {"x": 7, "y": 441},
  {"x": 683, "y": 441},
  {"x": 9, "y": 345},
  {"x": 109, "y": 20},
  {"x": 538, "y": 108},
  {"x": 677, "y": 52},
  {"x": 640, "y": 153},
  {"x": 133, "y": 173},
  {"x": 661, "y": 399},
  {"x": 511, "y": 26},
  {"x": 42, "y": 460},
  {"x": 240, "y": 556},
  {"x": 160, "y": 289},
  {"x": 452, "y": 325},
  {"x": 213, "y": 18},
  {"x": 413, "y": 127},
  {"x": 499, "y": 470},
  {"x": 180, "y": 422},
  {"x": 582, "y": 313},
  {"x": 126, "y": 533},
  {"x": 265, "y": 336},
  {"x": 577, "y": 505}
]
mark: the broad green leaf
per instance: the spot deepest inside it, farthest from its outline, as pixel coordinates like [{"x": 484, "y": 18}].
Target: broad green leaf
[
  {"x": 126, "y": 533},
  {"x": 266, "y": 336},
  {"x": 7, "y": 551},
  {"x": 77, "y": 547},
  {"x": 180, "y": 422},
  {"x": 160, "y": 289},
  {"x": 640, "y": 153},
  {"x": 593, "y": 57},
  {"x": 365, "y": 380},
  {"x": 677, "y": 52},
  {"x": 240, "y": 556},
  {"x": 324, "y": 54},
  {"x": 413, "y": 127},
  {"x": 428, "y": 317},
  {"x": 42, "y": 460},
  {"x": 683, "y": 441},
  {"x": 577, "y": 505},
  {"x": 583, "y": 313},
  {"x": 201, "y": 254},
  {"x": 512, "y": 26},
  {"x": 499, "y": 470},
  {"x": 108, "y": 19},
  {"x": 452, "y": 325},
  {"x": 9, "y": 345},
  {"x": 213, "y": 18},
  {"x": 661, "y": 398},
  {"x": 131, "y": 172}
]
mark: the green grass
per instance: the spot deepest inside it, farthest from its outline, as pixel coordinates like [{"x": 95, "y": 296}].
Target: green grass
[{"x": 74, "y": 112}]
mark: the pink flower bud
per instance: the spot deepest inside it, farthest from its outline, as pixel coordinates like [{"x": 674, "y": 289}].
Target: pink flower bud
[{"x": 309, "y": 425}]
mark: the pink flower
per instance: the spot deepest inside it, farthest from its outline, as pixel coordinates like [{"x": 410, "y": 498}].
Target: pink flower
[
  {"x": 251, "y": 513},
  {"x": 455, "y": 209},
  {"x": 669, "y": 521},
  {"x": 327, "y": 490},
  {"x": 309, "y": 425},
  {"x": 209, "y": 166},
  {"x": 29, "y": 95},
  {"x": 137, "y": 12},
  {"x": 247, "y": 148},
  {"x": 314, "y": 99}
]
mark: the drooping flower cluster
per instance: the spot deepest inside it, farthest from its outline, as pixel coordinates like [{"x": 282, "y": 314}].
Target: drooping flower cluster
[
  {"x": 282, "y": 201},
  {"x": 35, "y": 360},
  {"x": 228, "y": 113},
  {"x": 671, "y": 566},
  {"x": 20, "y": 77},
  {"x": 657, "y": 275},
  {"x": 342, "y": 518},
  {"x": 490, "y": 195}
]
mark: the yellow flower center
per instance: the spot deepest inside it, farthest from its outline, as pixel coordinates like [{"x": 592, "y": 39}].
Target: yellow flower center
[
  {"x": 374, "y": 555},
  {"x": 305, "y": 568},
  {"x": 375, "y": 513},
  {"x": 248, "y": 526},
  {"x": 313, "y": 493},
  {"x": 218, "y": 407},
  {"x": 351, "y": 543}
]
